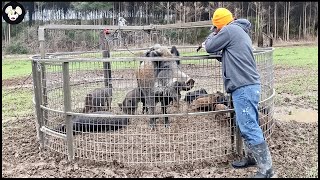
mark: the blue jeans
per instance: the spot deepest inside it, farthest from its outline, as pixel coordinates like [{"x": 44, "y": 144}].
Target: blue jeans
[{"x": 245, "y": 102}]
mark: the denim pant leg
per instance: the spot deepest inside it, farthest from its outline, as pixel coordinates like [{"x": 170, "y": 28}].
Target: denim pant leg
[{"x": 245, "y": 102}]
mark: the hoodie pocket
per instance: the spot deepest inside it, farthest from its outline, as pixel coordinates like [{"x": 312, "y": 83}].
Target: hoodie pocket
[{"x": 228, "y": 84}]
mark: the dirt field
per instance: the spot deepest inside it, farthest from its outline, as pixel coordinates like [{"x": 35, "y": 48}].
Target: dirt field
[
  {"x": 294, "y": 149},
  {"x": 293, "y": 145}
]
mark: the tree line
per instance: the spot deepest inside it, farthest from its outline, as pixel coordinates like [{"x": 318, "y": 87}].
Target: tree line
[{"x": 279, "y": 20}]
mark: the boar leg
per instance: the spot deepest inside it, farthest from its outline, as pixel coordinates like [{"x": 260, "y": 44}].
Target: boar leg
[
  {"x": 164, "y": 111},
  {"x": 150, "y": 103}
]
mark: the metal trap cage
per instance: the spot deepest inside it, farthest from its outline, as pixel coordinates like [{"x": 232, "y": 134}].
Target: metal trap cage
[{"x": 84, "y": 97}]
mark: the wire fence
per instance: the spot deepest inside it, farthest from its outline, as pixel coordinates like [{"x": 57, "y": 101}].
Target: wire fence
[{"x": 92, "y": 106}]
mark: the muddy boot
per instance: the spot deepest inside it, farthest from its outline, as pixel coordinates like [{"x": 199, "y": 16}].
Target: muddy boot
[
  {"x": 264, "y": 162},
  {"x": 246, "y": 161}
]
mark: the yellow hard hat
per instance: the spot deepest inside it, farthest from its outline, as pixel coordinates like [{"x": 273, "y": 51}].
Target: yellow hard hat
[{"x": 221, "y": 17}]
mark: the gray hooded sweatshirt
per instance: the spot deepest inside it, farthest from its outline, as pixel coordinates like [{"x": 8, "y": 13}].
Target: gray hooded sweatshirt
[{"x": 238, "y": 64}]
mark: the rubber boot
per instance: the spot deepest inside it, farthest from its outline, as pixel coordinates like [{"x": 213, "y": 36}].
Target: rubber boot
[
  {"x": 247, "y": 161},
  {"x": 262, "y": 156}
]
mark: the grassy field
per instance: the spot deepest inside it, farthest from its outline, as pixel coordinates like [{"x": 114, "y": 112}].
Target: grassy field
[
  {"x": 18, "y": 102},
  {"x": 301, "y": 78},
  {"x": 296, "y": 77},
  {"x": 13, "y": 67},
  {"x": 297, "y": 56}
]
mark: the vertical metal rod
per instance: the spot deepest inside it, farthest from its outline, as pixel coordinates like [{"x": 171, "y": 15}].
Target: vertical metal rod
[
  {"x": 235, "y": 133},
  {"x": 239, "y": 143},
  {"x": 233, "y": 124},
  {"x": 44, "y": 92},
  {"x": 37, "y": 96},
  {"x": 104, "y": 46},
  {"x": 41, "y": 39},
  {"x": 106, "y": 69},
  {"x": 67, "y": 108}
]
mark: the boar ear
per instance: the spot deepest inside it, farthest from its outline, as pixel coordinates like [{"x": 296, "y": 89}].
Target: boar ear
[
  {"x": 147, "y": 54},
  {"x": 219, "y": 99},
  {"x": 174, "y": 51}
]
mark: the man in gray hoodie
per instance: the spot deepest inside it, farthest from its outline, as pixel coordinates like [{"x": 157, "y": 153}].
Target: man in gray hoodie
[{"x": 242, "y": 80}]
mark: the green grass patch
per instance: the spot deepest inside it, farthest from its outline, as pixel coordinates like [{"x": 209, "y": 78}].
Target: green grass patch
[
  {"x": 200, "y": 53},
  {"x": 298, "y": 84},
  {"x": 17, "y": 103},
  {"x": 15, "y": 67},
  {"x": 12, "y": 68},
  {"x": 312, "y": 99},
  {"x": 313, "y": 171},
  {"x": 297, "y": 56},
  {"x": 303, "y": 87},
  {"x": 99, "y": 65},
  {"x": 112, "y": 54}
]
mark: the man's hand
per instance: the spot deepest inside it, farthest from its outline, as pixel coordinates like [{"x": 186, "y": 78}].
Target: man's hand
[
  {"x": 214, "y": 30},
  {"x": 201, "y": 46}
]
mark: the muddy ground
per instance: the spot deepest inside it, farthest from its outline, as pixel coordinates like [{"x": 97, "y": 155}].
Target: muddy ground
[{"x": 294, "y": 148}]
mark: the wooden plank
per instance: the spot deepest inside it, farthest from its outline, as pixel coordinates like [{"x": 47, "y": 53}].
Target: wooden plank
[
  {"x": 129, "y": 28},
  {"x": 67, "y": 107},
  {"x": 53, "y": 133},
  {"x": 184, "y": 25},
  {"x": 138, "y": 59},
  {"x": 97, "y": 27}
]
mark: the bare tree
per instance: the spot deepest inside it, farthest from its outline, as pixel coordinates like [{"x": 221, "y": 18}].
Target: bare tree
[
  {"x": 275, "y": 21},
  {"x": 304, "y": 20},
  {"x": 288, "y": 21},
  {"x": 195, "y": 11},
  {"x": 146, "y": 12},
  {"x": 168, "y": 11}
]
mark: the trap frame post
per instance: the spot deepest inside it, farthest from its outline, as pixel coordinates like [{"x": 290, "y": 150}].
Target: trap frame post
[
  {"x": 44, "y": 92},
  {"x": 43, "y": 73},
  {"x": 235, "y": 132},
  {"x": 37, "y": 97},
  {"x": 239, "y": 143},
  {"x": 67, "y": 108},
  {"x": 104, "y": 47},
  {"x": 232, "y": 116}
]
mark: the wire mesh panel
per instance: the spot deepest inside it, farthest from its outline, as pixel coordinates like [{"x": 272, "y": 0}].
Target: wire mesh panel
[{"x": 141, "y": 105}]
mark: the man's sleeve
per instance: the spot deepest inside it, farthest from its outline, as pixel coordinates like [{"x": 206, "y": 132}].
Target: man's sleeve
[{"x": 217, "y": 42}]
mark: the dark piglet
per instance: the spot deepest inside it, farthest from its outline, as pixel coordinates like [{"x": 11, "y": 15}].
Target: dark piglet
[
  {"x": 223, "y": 98},
  {"x": 98, "y": 100},
  {"x": 169, "y": 95},
  {"x": 94, "y": 124},
  {"x": 191, "y": 96},
  {"x": 130, "y": 103}
]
